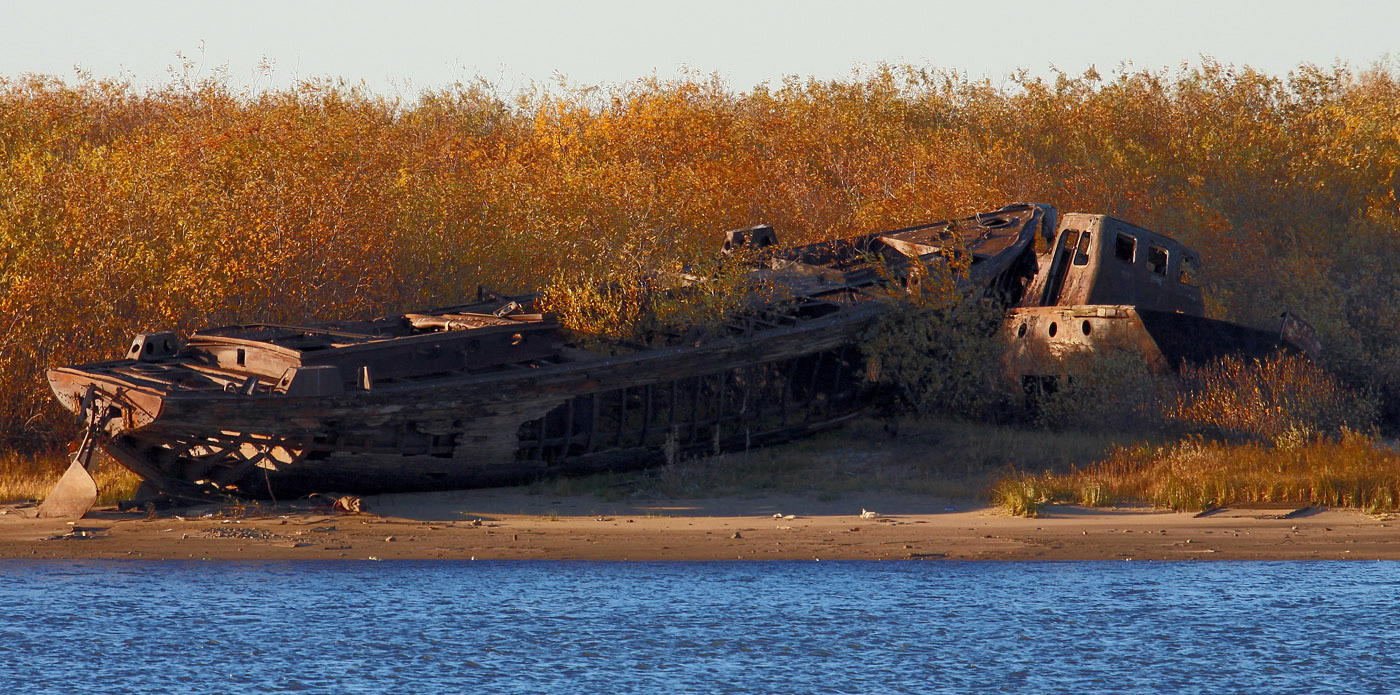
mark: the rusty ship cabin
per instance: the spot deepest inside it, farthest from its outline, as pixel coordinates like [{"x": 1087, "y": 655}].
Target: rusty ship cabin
[
  {"x": 1104, "y": 285},
  {"x": 1097, "y": 259}
]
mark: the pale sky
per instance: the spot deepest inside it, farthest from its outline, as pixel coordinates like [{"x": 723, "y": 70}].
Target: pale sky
[{"x": 400, "y": 48}]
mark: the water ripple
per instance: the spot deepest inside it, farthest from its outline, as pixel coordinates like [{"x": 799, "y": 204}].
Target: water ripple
[{"x": 539, "y": 627}]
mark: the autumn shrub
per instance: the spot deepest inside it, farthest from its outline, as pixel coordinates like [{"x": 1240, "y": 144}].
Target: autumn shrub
[
  {"x": 611, "y": 306},
  {"x": 937, "y": 360},
  {"x": 1276, "y": 399},
  {"x": 650, "y": 305},
  {"x": 125, "y": 209}
]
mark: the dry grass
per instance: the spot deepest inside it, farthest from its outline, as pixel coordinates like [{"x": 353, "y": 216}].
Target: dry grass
[
  {"x": 1274, "y": 430},
  {"x": 1020, "y": 470},
  {"x": 935, "y": 457},
  {"x": 1352, "y": 471},
  {"x": 31, "y": 477},
  {"x": 1265, "y": 400}
]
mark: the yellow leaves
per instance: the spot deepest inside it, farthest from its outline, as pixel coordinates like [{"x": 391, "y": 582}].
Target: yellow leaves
[{"x": 125, "y": 210}]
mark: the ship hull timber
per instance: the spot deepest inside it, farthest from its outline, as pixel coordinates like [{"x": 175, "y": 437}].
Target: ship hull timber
[
  {"x": 484, "y": 394},
  {"x": 468, "y": 432}
]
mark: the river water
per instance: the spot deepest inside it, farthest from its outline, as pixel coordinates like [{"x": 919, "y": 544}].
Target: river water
[{"x": 791, "y": 627}]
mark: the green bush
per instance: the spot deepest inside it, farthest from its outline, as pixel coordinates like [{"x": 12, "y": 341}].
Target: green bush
[
  {"x": 938, "y": 357},
  {"x": 1106, "y": 390}
]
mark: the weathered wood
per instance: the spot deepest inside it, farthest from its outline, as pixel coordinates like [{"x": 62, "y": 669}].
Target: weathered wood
[{"x": 471, "y": 394}]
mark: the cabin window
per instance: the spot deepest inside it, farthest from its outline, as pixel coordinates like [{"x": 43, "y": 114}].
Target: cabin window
[
  {"x": 1081, "y": 254},
  {"x": 1071, "y": 239},
  {"x": 1124, "y": 247},
  {"x": 1187, "y": 273},
  {"x": 1064, "y": 255},
  {"x": 1157, "y": 260}
]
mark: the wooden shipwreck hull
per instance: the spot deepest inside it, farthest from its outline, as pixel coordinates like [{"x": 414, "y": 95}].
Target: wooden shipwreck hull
[
  {"x": 479, "y": 429},
  {"x": 486, "y": 394}
]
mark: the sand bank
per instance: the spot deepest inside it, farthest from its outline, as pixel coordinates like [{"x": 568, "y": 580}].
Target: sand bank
[{"x": 511, "y": 524}]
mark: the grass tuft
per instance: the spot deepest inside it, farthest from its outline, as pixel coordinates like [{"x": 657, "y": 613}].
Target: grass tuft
[
  {"x": 1019, "y": 494},
  {"x": 30, "y": 477},
  {"x": 1351, "y": 471}
]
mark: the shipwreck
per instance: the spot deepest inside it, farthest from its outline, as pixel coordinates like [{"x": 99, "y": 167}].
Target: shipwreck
[
  {"x": 490, "y": 393},
  {"x": 1104, "y": 284}
]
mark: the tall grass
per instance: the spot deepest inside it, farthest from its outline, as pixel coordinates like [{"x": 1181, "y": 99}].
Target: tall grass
[
  {"x": 1195, "y": 474},
  {"x": 30, "y": 477},
  {"x": 1281, "y": 429},
  {"x": 1285, "y": 396}
]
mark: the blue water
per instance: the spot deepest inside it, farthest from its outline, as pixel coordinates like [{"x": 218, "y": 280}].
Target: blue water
[{"x": 828, "y": 627}]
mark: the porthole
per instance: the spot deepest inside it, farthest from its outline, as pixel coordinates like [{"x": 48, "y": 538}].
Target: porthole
[
  {"x": 1053, "y": 329},
  {"x": 1021, "y": 331},
  {"x": 1086, "y": 327}
]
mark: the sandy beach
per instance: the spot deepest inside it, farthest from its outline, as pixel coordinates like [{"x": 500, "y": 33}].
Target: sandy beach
[{"x": 511, "y": 524}]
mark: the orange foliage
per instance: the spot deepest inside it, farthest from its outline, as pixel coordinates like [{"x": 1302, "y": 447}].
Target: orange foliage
[{"x": 124, "y": 210}]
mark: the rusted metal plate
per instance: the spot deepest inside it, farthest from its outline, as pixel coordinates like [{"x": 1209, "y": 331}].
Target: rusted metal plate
[
  {"x": 1045, "y": 341},
  {"x": 1042, "y": 340},
  {"x": 72, "y": 497}
]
